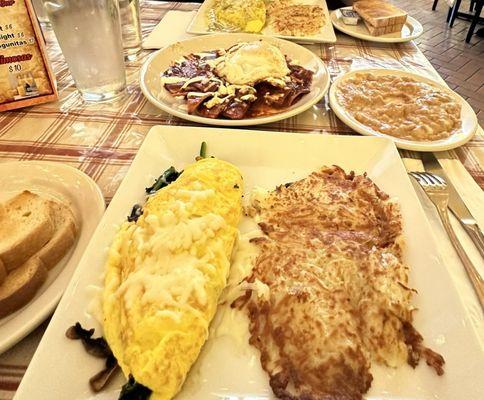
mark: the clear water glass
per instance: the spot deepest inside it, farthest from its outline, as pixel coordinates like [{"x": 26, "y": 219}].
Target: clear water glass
[
  {"x": 41, "y": 12},
  {"x": 130, "y": 27},
  {"x": 89, "y": 34}
]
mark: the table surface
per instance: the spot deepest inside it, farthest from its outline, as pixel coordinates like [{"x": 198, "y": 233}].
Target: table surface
[{"x": 102, "y": 139}]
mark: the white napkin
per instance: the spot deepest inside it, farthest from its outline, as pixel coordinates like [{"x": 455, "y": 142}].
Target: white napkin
[{"x": 171, "y": 29}]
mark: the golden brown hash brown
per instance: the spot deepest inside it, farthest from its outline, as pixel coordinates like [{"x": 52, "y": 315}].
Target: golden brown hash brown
[{"x": 331, "y": 255}]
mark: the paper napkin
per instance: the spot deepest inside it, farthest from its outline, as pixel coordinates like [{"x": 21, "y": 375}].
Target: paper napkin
[{"x": 171, "y": 29}]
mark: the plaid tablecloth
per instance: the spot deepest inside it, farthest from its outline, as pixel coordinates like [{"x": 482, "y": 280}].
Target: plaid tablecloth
[{"x": 102, "y": 140}]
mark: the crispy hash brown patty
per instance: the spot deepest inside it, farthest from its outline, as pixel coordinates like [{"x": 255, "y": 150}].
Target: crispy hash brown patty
[{"x": 331, "y": 255}]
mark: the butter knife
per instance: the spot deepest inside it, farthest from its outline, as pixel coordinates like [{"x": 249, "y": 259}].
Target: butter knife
[{"x": 456, "y": 204}]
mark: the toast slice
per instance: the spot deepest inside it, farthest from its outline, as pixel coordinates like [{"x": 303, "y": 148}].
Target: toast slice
[
  {"x": 26, "y": 225},
  {"x": 383, "y": 30},
  {"x": 3, "y": 272},
  {"x": 20, "y": 285},
  {"x": 379, "y": 13},
  {"x": 64, "y": 236}
]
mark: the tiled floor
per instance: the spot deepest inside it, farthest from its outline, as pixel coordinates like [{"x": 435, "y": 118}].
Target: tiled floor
[{"x": 459, "y": 63}]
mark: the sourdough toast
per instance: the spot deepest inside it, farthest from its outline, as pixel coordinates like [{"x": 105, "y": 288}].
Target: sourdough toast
[
  {"x": 26, "y": 225},
  {"x": 20, "y": 285},
  {"x": 64, "y": 236},
  {"x": 383, "y": 30},
  {"x": 3, "y": 272},
  {"x": 38, "y": 228},
  {"x": 379, "y": 13}
]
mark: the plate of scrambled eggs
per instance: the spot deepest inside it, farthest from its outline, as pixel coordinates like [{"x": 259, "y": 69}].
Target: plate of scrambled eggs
[
  {"x": 224, "y": 259},
  {"x": 305, "y": 21}
]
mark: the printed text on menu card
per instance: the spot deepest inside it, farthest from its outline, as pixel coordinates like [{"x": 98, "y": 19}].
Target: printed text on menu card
[{"x": 23, "y": 74}]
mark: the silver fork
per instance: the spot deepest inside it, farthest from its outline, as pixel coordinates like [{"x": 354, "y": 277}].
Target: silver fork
[{"x": 436, "y": 189}]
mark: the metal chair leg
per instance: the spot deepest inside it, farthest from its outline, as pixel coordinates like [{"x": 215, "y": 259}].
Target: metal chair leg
[
  {"x": 475, "y": 19},
  {"x": 471, "y": 5},
  {"x": 449, "y": 14},
  {"x": 455, "y": 10},
  {"x": 434, "y": 6}
]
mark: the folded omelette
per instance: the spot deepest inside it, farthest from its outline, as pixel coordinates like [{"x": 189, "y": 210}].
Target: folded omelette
[{"x": 166, "y": 271}]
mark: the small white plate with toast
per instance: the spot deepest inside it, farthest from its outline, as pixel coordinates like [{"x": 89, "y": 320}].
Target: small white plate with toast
[
  {"x": 411, "y": 30},
  {"x": 57, "y": 208}
]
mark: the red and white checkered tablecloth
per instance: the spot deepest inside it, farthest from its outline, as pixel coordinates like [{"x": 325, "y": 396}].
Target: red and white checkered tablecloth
[{"x": 102, "y": 139}]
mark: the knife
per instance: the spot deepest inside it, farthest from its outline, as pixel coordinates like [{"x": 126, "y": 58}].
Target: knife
[{"x": 456, "y": 204}]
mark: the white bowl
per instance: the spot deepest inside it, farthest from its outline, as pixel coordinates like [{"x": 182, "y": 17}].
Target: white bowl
[{"x": 468, "y": 116}]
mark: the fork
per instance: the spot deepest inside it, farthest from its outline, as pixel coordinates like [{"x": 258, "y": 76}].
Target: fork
[{"x": 436, "y": 189}]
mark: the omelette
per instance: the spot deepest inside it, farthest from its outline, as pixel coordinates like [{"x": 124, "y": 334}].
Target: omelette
[{"x": 165, "y": 273}]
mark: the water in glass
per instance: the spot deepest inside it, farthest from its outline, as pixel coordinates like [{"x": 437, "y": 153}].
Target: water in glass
[
  {"x": 89, "y": 34},
  {"x": 131, "y": 27},
  {"x": 40, "y": 12}
]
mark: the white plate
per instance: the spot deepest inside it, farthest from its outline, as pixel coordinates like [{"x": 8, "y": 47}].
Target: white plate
[
  {"x": 468, "y": 116},
  {"x": 158, "y": 62},
  {"x": 199, "y": 25},
  {"x": 73, "y": 187},
  {"x": 410, "y": 31},
  {"x": 226, "y": 370}
]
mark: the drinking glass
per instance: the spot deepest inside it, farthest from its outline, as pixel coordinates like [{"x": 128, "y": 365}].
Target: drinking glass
[
  {"x": 130, "y": 27},
  {"x": 41, "y": 12},
  {"x": 89, "y": 34}
]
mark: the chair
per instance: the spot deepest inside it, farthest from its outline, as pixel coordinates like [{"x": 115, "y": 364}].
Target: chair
[
  {"x": 454, "y": 12},
  {"x": 471, "y": 7},
  {"x": 449, "y": 14},
  {"x": 475, "y": 5},
  {"x": 475, "y": 19}
]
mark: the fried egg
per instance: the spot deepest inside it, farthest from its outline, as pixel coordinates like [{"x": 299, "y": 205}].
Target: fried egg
[{"x": 249, "y": 63}]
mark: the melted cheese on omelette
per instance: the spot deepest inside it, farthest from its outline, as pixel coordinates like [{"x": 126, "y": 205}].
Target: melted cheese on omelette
[
  {"x": 331, "y": 256},
  {"x": 165, "y": 274}
]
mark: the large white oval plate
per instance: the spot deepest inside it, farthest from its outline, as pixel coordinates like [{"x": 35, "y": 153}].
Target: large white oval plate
[
  {"x": 228, "y": 367},
  {"x": 200, "y": 25},
  {"x": 157, "y": 63},
  {"x": 410, "y": 31},
  {"x": 468, "y": 116},
  {"x": 80, "y": 192}
]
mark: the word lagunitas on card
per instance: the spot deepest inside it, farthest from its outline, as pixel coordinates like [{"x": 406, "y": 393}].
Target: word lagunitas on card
[{"x": 25, "y": 75}]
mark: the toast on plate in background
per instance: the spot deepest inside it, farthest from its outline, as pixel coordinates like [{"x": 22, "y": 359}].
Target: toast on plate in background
[
  {"x": 380, "y": 17},
  {"x": 35, "y": 234},
  {"x": 383, "y": 30}
]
